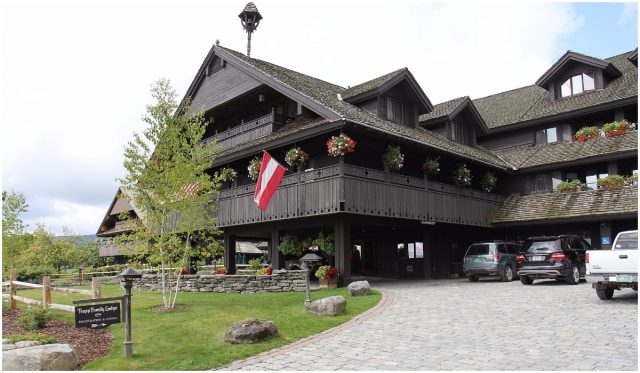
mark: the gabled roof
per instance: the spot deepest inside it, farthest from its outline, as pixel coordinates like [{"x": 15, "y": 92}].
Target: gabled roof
[
  {"x": 591, "y": 205},
  {"x": 527, "y": 156},
  {"x": 570, "y": 56},
  {"x": 322, "y": 97},
  {"x": 123, "y": 200},
  {"x": 383, "y": 83},
  {"x": 450, "y": 109},
  {"x": 531, "y": 104},
  {"x": 633, "y": 56}
]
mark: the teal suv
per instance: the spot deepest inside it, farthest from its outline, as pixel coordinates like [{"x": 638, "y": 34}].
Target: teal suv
[{"x": 491, "y": 258}]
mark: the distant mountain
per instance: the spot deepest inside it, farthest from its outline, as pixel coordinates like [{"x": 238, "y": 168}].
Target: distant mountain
[{"x": 84, "y": 237}]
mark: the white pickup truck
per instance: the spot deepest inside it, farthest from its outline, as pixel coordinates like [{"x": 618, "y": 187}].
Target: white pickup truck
[{"x": 609, "y": 270}]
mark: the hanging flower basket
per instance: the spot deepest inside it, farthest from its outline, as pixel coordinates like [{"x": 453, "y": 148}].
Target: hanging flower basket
[
  {"x": 254, "y": 168},
  {"x": 393, "y": 158},
  {"x": 431, "y": 166},
  {"x": 227, "y": 174},
  {"x": 488, "y": 181},
  {"x": 338, "y": 146},
  {"x": 296, "y": 157},
  {"x": 462, "y": 176}
]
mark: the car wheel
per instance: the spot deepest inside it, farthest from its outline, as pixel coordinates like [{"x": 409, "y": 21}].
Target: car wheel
[
  {"x": 574, "y": 276},
  {"x": 605, "y": 294},
  {"x": 507, "y": 274},
  {"x": 526, "y": 280},
  {"x": 473, "y": 278}
]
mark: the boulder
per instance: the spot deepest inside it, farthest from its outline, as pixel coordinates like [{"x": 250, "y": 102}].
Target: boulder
[
  {"x": 330, "y": 306},
  {"x": 250, "y": 331},
  {"x": 358, "y": 288},
  {"x": 44, "y": 357},
  {"x": 23, "y": 344}
]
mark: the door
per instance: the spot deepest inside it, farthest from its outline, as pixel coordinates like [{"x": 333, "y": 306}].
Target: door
[
  {"x": 363, "y": 260},
  {"x": 410, "y": 259}
]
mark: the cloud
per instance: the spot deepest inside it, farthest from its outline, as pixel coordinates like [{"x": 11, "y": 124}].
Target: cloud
[
  {"x": 628, "y": 14},
  {"x": 75, "y": 78}
]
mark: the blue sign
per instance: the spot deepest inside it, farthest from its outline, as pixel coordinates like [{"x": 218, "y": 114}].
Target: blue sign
[{"x": 606, "y": 240}]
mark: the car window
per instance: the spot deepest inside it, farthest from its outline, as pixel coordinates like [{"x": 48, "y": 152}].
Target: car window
[
  {"x": 542, "y": 246},
  {"x": 502, "y": 249},
  {"x": 515, "y": 248},
  {"x": 585, "y": 245},
  {"x": 574, "y": 244},
  {"x": 627, "y": 241},
  {"x": 478, "y": 249}
]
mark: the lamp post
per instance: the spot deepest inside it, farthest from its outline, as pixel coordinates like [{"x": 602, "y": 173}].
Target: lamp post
[
  {"x": 126, "y": 281},
  {"x": 307, "y": 261},
  {"x": 250, "y": 18}
]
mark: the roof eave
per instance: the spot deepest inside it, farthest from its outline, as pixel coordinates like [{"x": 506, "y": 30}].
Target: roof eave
[{"x": 550, "y": 74}]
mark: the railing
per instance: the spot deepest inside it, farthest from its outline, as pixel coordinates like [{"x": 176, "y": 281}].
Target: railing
[
  {"x": 247, "y": 131},
  {"x": 362, "y": 191}
]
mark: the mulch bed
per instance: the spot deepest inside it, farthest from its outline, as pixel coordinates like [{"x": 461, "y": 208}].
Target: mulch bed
[
  {"x": 177, "y": 307},
  {"x": 89, "y": 344}
]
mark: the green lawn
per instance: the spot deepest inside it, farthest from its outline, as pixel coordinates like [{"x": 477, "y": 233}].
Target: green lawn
[{"x": 193, "y": 339}]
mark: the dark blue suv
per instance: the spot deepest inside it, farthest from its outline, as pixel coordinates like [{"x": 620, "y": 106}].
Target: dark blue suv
[{"x": 491, "y": 258}]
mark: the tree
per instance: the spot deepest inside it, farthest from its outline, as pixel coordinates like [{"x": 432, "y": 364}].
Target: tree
[
  {"x": 168, "y": 182},
  {"x": 13, "y": 235},
  {"x": 45, "y": 249}
]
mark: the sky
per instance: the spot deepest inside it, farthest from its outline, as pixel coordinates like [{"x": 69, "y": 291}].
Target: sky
[{"x": 75, "y": 75}]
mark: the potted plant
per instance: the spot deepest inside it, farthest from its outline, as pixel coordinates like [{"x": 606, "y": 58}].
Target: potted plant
[
  {"x": 338, "y": 146},
  {"x": 328, "y": 277},
  {"x": 488, "y": 181},
  {"x": 462, "y": 176},
  {"x": 573, "y": 185},
  {"x": 617, "y": 128},
  {"x": 431, "y": 166},
  {"x": 254, "y": 168},
  {"x": 393, "y": 158},
  {"x": 296, "y": 157},
  {"x": 588, "y": 132},
  {"x": 267, "y": 271},
  {"x": 612, "y": 182},
  {"x": 631, "y": 180},
  {"x": 219, "y": 271},
  {"x": 227, "y": 174}
]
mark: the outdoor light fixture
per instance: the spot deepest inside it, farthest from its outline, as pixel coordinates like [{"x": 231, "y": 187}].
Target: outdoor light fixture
[
  {"x": 307, "y": 262},
  {"x": 126, "y": 280},
  {"x": 261, "y": 98}
]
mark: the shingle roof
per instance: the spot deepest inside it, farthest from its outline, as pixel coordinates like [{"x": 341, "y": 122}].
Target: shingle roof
[
  {"x": 443, "y": 109},
  {"x": 325, "y": 94},
  {"x": 371, "y": 84},
  {"x": 526, "y": 156},
  {"x": 550, "y": 206},
  {"x": 532, "y": 102}
]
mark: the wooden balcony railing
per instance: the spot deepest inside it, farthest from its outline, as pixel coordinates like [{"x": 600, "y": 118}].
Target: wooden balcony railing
[{"x": 363, "y": 191}]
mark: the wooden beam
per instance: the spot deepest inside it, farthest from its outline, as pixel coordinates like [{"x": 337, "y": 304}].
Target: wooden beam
[
  {"x": 230, "y": 253},
  {"x": 275, "y": 253},
  {"x": 343, "y": 246}
]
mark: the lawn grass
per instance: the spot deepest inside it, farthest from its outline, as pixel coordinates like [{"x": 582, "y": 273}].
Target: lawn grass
[{"x": 193, "y": 339}]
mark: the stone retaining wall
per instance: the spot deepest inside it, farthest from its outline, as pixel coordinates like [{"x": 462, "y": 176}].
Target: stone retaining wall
[{"x": 279, "y": 281}]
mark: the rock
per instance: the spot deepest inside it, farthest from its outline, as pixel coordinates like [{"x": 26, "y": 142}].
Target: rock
[
  {"x": 44, "y": 357},
  {"x": 8, "y": 346},
  {"x": 330, "y": 306},
  {"x": 23, "y": 344},
  {"x": 358, "y": 288},
  {"x": 250, "y": 331}
]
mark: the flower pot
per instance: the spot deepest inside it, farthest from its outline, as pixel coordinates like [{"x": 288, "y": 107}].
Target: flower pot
[{"x": 328, "y": 283}]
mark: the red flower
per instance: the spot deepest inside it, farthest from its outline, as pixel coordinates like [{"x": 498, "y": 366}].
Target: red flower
[{"x": 332, "y": 272}]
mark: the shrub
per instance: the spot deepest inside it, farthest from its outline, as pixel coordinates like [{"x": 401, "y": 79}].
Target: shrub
[
  {"x": 36, "y": 337},
  {"x": 393, "y": 158},
  {"x": 431, "y": 166},
  {"x": 488, "y": 181},
  {"x": 587, "y": 132},
  {"x": 255, "y": 264},
  {"x": 33, "y": 318},
  {"x": 570, "y": 186},
  {"x": 34, "y": 273},
  {"x": 617, "y": 128},
  {"x": 462, "y": 175}
]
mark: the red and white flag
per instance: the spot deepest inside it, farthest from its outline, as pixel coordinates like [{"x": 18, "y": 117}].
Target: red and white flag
[{"x": 271, "y": 173}]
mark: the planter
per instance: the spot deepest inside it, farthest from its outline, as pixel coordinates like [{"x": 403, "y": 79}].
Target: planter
[{"x": 328, "y": 283}]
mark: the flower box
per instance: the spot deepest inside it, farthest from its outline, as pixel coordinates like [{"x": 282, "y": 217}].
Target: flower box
[{"x": 329, "y": 283}]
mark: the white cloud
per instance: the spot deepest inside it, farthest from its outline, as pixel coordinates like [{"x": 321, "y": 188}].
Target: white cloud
[
  {"x": 75, "y": 75},
  {"x": 628, "y": 14}
]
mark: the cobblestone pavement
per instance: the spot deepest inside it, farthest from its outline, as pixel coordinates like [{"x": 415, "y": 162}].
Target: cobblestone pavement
[{"x": 487, "y": 325}]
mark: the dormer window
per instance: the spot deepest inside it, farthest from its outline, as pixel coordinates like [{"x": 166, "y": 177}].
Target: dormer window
[
  {"x": 547, "y": 135},
  {"x": 578, "y": 84},
  {"x": 394, "y": 109}
]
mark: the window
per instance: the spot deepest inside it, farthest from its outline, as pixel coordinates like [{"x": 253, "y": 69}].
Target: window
[
  {"x": 578, "y": 84},
  {"x": 592, "y": 179},
  {"x": 547, "y": 135},
  {"x": 393, "y": 109},
  {"x": 457, "y": 131},
  {"x": 538, "y": 183},
  {"x": 556, "y": 178},
  {"x": 415, "y": 250}
]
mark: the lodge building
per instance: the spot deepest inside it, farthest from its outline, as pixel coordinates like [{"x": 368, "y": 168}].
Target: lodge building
[{"x": 401, "y": 222}]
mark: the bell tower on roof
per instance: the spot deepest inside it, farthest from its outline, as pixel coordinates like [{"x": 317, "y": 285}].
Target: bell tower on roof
[{"x": 250, "y": 18}]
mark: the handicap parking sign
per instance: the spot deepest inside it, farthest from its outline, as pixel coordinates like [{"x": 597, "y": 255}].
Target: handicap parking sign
[{"x": 606, "y": 240}]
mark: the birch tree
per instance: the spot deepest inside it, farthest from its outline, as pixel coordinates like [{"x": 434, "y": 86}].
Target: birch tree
[
  {"x": 168, "y": 180},
  {"x": 13, "y": 235}
]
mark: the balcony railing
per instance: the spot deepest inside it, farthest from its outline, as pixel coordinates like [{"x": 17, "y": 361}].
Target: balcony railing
[
  {"x": 247, "y": 131},
  {"x": 346, "y": 188}
]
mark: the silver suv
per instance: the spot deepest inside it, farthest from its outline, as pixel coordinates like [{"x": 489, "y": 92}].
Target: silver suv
[{"x": 491, "y": 258}]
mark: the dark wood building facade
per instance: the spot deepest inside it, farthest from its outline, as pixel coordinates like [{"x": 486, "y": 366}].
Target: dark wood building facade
[{"x": 401, "y": 223}]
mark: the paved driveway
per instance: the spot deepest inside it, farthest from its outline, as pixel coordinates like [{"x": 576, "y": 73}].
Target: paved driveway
[{"x": 488, "y": 325}]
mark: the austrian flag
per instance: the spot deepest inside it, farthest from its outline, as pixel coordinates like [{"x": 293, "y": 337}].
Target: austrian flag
[{"x": 271, "y": 173}]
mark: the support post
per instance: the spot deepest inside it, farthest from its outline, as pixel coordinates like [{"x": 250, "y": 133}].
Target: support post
[
  {"x": 344, "y": 247},
  {"x": 46, "y": 291},
  {"x": 12, "y": 286},
  {"x": 81, "y": 274},
  {"x": 128, "y": 343},
  {"x": 96, "y": 290},
  {"x": 230, "y": 253},
  {"x": 275, "y": 253}
]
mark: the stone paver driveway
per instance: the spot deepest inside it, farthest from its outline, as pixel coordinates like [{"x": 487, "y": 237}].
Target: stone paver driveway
[{"x": 487, "y": 325}]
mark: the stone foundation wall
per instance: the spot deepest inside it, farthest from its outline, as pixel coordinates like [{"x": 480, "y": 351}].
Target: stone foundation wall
[{"x": 279, "y": 281}]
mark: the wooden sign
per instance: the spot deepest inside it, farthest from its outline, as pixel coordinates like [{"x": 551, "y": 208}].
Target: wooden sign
[{"x": 97, "y": 316}]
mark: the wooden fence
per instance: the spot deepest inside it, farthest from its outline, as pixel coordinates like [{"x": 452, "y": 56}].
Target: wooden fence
[{"x": 46, "y": 287}]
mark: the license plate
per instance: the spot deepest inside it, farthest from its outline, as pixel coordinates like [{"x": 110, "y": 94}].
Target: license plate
[
  {"x": 538, "y": 258},
  {"x": 477, "y": 260},
  {"x": 625, "y": 278}
]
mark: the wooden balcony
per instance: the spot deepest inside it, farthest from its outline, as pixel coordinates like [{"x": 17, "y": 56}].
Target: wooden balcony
[
  {"x": 346, "y": 188},
  {"x": 247, "y": 131}
]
